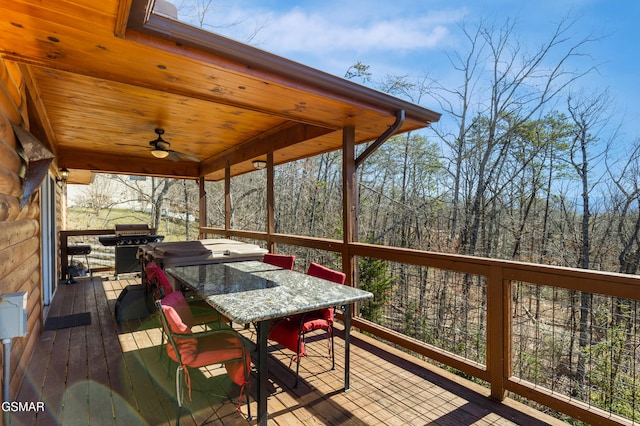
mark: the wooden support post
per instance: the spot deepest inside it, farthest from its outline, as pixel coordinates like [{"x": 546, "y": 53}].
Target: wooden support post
[
  {"x": 227, "y": 199},
  {"x": 202, "y": 216},
  {"x": 270, "y": 203},
  {"x": 498, "y": 331},
  {"x": 349, "y": 213}
]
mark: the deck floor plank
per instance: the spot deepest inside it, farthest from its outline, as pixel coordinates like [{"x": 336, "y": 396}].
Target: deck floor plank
[
  {"x": 118, "y": 377},
  {"x": 110, "y": 374},
  {"x": 102, "y": 336},
  {"x": 76, "y": 397},
  {"x": 151, "y": 379},
  {"x": 57, "y": 370}
]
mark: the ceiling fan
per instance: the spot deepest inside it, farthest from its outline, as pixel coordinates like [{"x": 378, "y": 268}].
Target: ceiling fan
[{"x": 161, "y": 149}]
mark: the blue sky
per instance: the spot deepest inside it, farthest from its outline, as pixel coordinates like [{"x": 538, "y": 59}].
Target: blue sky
[{"x": 412, "y": 37}]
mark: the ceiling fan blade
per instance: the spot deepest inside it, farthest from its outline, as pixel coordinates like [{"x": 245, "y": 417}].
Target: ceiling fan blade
[
  {"x": 173, "y": 156},
  {"x": 187, "y": 156}
]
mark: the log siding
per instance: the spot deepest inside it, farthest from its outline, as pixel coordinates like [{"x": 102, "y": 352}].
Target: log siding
[{"x": 20, "y": 240}]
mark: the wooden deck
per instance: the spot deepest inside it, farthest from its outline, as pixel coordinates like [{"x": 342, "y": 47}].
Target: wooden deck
[{"x": 100, "y": 374}]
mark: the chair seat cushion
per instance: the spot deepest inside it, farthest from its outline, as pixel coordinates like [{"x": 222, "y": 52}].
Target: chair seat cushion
[
  {"x": 286, "y": 333},
  {"x": 188, "y": 348},
  {"x": 218, "y": 348},
  {"x": 314, "y": 320},
  {"x": 315, "y": 324}
]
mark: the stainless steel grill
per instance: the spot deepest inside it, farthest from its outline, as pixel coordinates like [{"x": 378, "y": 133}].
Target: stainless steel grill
[{"x": 127, "y": 239}]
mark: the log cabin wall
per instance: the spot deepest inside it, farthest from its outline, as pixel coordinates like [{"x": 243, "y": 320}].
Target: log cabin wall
[{"x": 20, "y": 240}]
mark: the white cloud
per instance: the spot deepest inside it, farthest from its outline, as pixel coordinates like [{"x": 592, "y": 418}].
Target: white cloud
[
  {"x": 298, "y": 31},
  {"x": 329, "y": 31}
]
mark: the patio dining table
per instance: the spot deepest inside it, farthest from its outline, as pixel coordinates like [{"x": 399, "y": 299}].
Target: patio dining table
[{"x": 256, "y": 292}]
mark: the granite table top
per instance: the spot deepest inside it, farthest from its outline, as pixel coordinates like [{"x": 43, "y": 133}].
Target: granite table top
[{"x": 252, "y": 291}]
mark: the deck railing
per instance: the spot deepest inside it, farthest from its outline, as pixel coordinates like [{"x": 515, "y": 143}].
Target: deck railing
[
  {"x": 564, "y": 338},
  {"x": 567, "y": 339},
  {"x": 101, "y": 258}
]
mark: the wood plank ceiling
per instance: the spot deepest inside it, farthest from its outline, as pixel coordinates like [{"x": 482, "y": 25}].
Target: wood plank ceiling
[{"x": 99, "y": 88}]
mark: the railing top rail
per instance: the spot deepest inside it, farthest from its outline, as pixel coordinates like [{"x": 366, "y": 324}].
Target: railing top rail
[
  {"x": 79, "y": 232},
  {"x": 598, "y": 282}
]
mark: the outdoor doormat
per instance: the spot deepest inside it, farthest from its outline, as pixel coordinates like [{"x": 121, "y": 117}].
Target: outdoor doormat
[{"x": 66, "y": 321}]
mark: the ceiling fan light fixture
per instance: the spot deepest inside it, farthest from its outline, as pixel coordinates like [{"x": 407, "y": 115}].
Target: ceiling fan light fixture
[
  {"x": 259, "y": 164},
  {"x": 160, "y": 153}
]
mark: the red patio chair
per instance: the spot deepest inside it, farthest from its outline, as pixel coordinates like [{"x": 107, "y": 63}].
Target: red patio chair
[
  {"x": 158, "y": 286},
  {"x": 198, "y": 349},
  {"x": 291, "y": 331},
  {"x": 281, "y": 260}
]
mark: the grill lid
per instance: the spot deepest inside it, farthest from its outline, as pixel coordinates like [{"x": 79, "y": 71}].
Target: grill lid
[{"x": 127, "y": 230}]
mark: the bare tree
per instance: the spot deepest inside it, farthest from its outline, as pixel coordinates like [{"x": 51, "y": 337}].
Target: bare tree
[
  {"x": 212, "y": 15},
  {"x": 98, "y": 196},
  {"x": 589, "y": 115},
  {"x": 153, "y": 195},
  {"x": 502, "y": 87}
]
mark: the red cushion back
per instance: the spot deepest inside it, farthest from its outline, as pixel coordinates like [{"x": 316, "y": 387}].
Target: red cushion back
[
  {"x": 177, "y": 301},
  {"x": 281, "y": 260},
  {"x": 178, "y": 315},
  {"x": 157, "y": 276},
  {"x": 320, "y": 271}
]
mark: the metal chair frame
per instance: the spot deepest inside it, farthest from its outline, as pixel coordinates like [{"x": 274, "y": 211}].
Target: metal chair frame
[{"x": 171, "y": 335}]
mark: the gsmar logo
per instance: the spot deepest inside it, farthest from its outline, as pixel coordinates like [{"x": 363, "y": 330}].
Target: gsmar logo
[{"x": 20, "y": 406}]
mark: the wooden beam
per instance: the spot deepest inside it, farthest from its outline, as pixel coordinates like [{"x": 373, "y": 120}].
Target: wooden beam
[
  {"x": 282, "y": 137},
  {"x": 122, "y": 18},
  {"x": 38, "y": 106},
  {"x": 585, "y": 412},
  {"x": 113, "y": 163}
]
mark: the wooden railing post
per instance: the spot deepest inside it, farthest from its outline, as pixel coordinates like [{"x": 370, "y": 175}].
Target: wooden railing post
[{"x": 498, "y": 331}]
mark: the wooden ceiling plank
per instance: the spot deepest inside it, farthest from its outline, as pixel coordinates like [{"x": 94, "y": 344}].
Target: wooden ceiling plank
[{"x": 87, "y": 15}]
